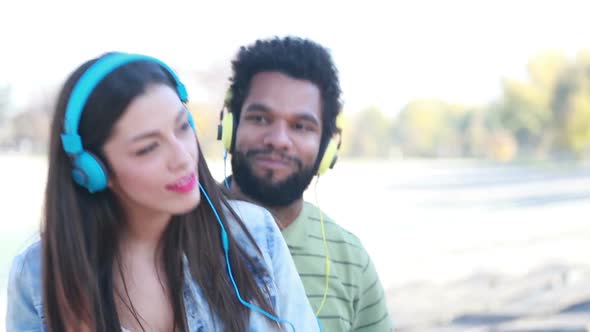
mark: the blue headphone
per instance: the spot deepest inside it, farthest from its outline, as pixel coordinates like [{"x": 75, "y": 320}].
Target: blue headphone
[
  {"x": 87, "y": 170},
  {"x": 91, "y": 174}
]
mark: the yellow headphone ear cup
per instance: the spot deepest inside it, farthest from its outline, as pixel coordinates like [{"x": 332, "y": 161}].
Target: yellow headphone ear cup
[
  {"x": 227, "y": 129},
  {"x": 339, "y": 121},
  {"x": 329, "y": 158}
]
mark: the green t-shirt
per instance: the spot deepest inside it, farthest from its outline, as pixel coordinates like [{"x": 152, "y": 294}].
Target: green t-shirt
[{"x": 356, "y": 300}]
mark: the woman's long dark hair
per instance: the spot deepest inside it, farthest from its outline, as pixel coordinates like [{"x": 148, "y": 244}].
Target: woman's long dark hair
[{"x": 80, "y": 230}]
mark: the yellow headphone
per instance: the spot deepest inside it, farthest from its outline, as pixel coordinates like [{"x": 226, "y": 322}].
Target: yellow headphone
[{"x": 225, "y": 131}]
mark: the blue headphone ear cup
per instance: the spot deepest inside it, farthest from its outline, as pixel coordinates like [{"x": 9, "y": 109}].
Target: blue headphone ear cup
[
  {"x": 79, "y": 176},
  {"x": 191, "y": 121},
  {"x": 89, "y": 172}
]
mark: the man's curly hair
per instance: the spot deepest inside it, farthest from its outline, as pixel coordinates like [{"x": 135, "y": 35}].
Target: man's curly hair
[{"x": 295, "y": 57}]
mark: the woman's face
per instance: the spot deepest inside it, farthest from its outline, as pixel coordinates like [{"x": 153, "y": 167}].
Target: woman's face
[{"x": 153, "y": 155}]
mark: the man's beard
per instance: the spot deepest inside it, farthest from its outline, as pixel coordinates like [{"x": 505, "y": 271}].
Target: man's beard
[{"x": 261, "y": 189}]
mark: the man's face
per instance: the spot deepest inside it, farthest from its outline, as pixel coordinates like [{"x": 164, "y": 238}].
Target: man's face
[{"x": 277, "y": 139}]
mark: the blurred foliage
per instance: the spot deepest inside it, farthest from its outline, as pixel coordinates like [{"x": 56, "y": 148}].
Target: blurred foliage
[
  {"x": 370, "y": 120},
  {"x": 545, "y": 116},
  {"x": 206, "y": 121}
]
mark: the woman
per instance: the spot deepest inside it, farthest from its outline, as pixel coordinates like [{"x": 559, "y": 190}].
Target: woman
[{"x": 137, "y": 236}]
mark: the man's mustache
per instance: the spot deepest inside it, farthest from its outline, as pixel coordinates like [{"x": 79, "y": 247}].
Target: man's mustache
[{"x": 270, "y": 151}]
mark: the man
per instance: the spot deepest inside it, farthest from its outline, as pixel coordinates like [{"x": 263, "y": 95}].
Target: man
[{"x": 282, "y": 110}]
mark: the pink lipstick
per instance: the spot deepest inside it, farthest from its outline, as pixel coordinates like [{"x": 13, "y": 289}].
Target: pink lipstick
[{"x": 184, "y": 184}]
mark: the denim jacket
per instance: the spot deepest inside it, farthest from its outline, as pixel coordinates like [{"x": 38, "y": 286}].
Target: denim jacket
[{"x": 25, "y": 296}]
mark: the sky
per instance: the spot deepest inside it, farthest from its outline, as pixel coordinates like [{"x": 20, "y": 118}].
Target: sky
[{"x": 387, "y": 52}]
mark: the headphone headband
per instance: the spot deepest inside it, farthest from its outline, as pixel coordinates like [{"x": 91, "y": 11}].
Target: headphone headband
[
  {"x": 72, "y": 142},
  {"x": 87, "y": 170}
]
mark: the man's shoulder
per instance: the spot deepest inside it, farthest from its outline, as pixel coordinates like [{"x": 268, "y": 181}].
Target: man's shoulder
[
  {"x": 333, "y": 229},
  {"x": 342, "y": 243}
]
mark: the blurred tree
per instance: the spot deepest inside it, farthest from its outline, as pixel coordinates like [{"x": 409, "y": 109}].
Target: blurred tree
[
  {"x": 475, "y": 129},
  {"x": 30, "y": 131},
  {"x": 544, "y": 115},
  {"x": 207, "y": 89},
  {"x": 30, "y": 126},
  {"x": 578, "y": 124},
  {"x": 571, "y": 113},
  {"x": 501, "y": 146},
  {"x": 206, "y": 118},
  {"x": 431, "y": 128},
  {"x": 526, "y": 109},
  {"x": 367, "y": 135},
  {"x": 572, "y": 107}
]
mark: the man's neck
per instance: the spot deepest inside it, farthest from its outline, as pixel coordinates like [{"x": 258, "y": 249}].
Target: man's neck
[{"x": 284, "y": 215}]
